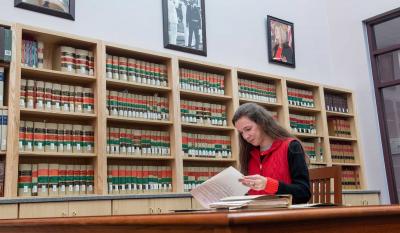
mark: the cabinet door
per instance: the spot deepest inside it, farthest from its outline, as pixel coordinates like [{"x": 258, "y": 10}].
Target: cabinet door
[
  {"x": 8, "y": 211},
  {"x": 89, "y": 208},
  {"x": 131, "y": 206},
  {"x": 371, "y": 199},
  {"x": 43, "y": 210},
  {"x": 165, "y": 205},
  {"x": 353, "y": 199}
]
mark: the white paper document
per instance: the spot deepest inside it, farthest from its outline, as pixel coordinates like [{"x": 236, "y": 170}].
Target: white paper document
[{"x": 224, "y": 184}]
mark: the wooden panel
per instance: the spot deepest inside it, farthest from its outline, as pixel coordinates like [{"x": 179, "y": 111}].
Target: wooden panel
[
  {"x": 8, "y": 211},
  {"x": 90, "y": 208},
  {"x": 43, "y": 210},
  {"x": 130, "y": 206},
  {"x": 165, "y": 205}
]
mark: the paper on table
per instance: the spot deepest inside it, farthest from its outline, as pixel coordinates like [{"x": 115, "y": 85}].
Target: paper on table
[{"x": 224, "y": 184}]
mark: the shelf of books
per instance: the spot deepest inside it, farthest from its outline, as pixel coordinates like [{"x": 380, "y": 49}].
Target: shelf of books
[
  {"x": 6, "y": 72},
  {"x": 92, "y": 117},
  {"x": 54, "y": 112},
  {"x": 206, "y": 107},
  {"x": 343, "y": 135}
]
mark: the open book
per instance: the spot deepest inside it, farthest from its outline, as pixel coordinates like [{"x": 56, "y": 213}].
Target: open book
[
  {"x": 224, "y": 190},
  {"x": 254, "y": 202}
]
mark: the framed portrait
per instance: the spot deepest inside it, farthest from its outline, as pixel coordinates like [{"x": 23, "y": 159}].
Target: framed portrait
[
  {"x": 60, "y": 8},
  {"x": 280, "y": 41},
  {"x": 184, "y": 24}
]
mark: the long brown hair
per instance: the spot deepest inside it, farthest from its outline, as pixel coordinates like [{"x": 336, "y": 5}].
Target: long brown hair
[{"x": 265, "y": 121}]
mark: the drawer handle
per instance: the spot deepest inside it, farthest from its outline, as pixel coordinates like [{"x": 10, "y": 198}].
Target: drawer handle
[
  {"x": 159, "y": 210},
  {"x": 74, "y": 213},
  {"x": 151, "y": 210}
]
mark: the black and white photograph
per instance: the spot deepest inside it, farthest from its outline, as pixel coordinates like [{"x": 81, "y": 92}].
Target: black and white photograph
[
  {"x": 184, "y": 26},
  {"x": 59, "y": 8}
]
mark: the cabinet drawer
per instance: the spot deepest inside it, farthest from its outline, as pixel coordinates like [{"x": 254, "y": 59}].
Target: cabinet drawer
[
  {"x": 131, "y": 206},
  {"x": 43, "y": 210},
  {"x": 90, "y": 208},
  {"x": 165, "y": 205},
  {"x": 8, "y": 211}
]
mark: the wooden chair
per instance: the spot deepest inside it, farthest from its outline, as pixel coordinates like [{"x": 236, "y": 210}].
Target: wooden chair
[{"x": 320, "y": 182}]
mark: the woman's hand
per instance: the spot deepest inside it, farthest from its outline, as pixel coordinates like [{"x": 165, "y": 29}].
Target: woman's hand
[{"x": 256, "y": 182}]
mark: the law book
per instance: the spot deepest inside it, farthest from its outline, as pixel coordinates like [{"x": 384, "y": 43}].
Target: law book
[
  {"x": 78, "y": 99},
  {"x": 54, "y": 179},
  {"x": 77, "y": 179},
  {"x": 51, "y": 139},
  {"x": 83, "y": 179},
  {"x": 69, "y": 181},
  {"x": 77, "y": 146},
  {"x": 122, "y": 179},
  {"x": 88, "y": 139},
  {"x": 39, "y": 95},
  {"x": 48, "y": 87},
  {"x": 88, "y": 100},
  {"x": 62, "y": 179},
  {"x": 65, "y": 98},
  {"x": 34, "y": 180},
  {"x": 68, "y": 138},
  {"x": 7, "y": 45},
  {"x": 89, "y": 179},
  {"x": 43, "y": 179},
  {"x": 2, "y": 78},
  {"x": 4, "y": 126},
  {"x": 56, "y": 97},
  {"x": 39, "y": 136},
  {"x": 24, "y": 179}
]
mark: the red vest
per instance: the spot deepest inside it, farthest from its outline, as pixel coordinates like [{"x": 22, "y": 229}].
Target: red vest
[{"x": 274, "y": 165}]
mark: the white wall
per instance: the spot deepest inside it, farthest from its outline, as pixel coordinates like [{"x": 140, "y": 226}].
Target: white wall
[{"x": 329, "y": 37}]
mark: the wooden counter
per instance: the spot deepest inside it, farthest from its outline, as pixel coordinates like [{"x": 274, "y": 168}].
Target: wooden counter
[{"x": 333, "y": 219}]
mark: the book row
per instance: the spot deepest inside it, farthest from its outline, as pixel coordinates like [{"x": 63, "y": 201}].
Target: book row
[
  {"x": 342, "y": 152},
  {"x": 339, "y": 127},
  {"x": 314, "y": 151},
  {"x": 5, "y": 44},
  {"x": 336, "y": 103},
  {"x": 54, "y": 179},
  {"x": 303, "y": 124},
  {"x": 260, "y": 91},
  {"x": 56, "y": 97},
  {"x": 32, "y": 53},
  {"x": 137, "y": 71},
  {"x": 2, "y": 168},
  {"x": 138, "y": 142},
  {"x": 2, "y": 79},
  {"x": 194, "y": 176},
  {"x": 126, "y": 104},
  {"x": 53, "y": 137},
  {"x": 206, "y": 146},
  {"x": 124, "y": 179},
  {"x": 75, "y": 60},
  {"x": 193, "y": 80},
  {"x": 350, "y": 178},
  {"x": 203, "y": 113},
  {"x": 3, "y": 129},
  {"x": 300, "y": 97}
]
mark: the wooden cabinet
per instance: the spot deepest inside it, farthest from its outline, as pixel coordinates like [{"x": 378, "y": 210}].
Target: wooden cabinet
[
  {"x": 64, "y": 209},
  {"x": 361, "y": 199},
  {"x": 150, "y": 206}
]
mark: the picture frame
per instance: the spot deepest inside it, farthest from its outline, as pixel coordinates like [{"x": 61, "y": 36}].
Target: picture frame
[
  {"x": 185, "y": 20},
  {"x": 281, "y": 47},
  {"x": 59, "y": 8}
]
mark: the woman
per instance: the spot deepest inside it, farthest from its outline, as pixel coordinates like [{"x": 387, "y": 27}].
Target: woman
[{"x": 273, "y": 160}]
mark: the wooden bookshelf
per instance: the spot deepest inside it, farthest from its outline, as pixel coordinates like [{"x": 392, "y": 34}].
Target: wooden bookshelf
[{"x": 100, "y": 83}]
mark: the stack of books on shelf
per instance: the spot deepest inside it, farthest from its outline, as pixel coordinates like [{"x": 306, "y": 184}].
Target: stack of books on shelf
[
  {"x": 259, "y": 91},
  {"x": 136, "y": 71},
  {"x": 74, "y": 60},
  {"x": 194, "y": 176},
  {"x": 350, "y": 178},
  {"x": 203, "y": 113},
  {"x": 300, "y": 97},
  {"x": 54, "y": 179},
  {"x": 336, "y": 103},
  {"x": 32, "y": 53},
  {"x": 5, "y": 44},
  {"x": 303, "y": 124},
  {"x": 137, "y": 142},
  {"x": 53, "y": 137},
  {"x": 126, "y": 104},
  {"x": 205, "y": 82},
  {"x": 314, "y": 151},
  {"x": 56, "y": 97},
  {"x": 125, "y": 179},
  {"x": 339, "y": 127},
  {"x": 342, "y": 152},
  {"x": 206, "y": 146}
]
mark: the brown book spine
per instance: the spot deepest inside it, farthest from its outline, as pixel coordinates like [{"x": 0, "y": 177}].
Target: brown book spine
[
  {"x": 65, "y": 98},
  {"x": 77, "y": 146},
  {"x": 43, "y": 179},
  {"x": 23, "y": 92},
  {"x": 56, "y": 97},
  {"x": 78, "y": 99},
  {"x": 39, "y": 136},
  {"x": 88, "y": 100},
  {"x": 88, "y": 139},
  {"x": 51, "y": 137},
  {"x": 30, "y": 93},
  {"x": 48, "y": 95},
  {"x": 39, "y": 97}
]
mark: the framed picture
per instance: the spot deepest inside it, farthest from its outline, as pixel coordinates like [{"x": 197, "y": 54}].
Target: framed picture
[
  {"x": 184, "y": 24},
  {"x": 280, "y": 41},
  {"x": 60, "y": 8}
]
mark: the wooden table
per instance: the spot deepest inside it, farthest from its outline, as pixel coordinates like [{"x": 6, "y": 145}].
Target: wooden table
[{"x": 333, "y": 219}]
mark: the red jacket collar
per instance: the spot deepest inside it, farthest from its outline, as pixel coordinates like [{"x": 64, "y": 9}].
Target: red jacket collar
[{"x": 256, "y": 153}]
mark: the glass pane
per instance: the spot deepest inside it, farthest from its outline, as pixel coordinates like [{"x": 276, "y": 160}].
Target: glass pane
[
  {"x": 387, "y": 33},
  {"x": 389, "y": 66},
  {"x": 391, "y": 101}
]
